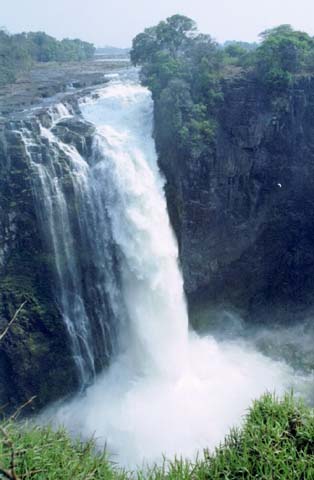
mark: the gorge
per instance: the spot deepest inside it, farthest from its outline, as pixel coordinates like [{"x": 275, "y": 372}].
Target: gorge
[
  {"x": 106, "y": 194},
  {"x": 112, "y": 261},
  {"x": 165, "y": 391}
]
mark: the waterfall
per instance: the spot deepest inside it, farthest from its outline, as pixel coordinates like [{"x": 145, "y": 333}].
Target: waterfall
[
  {"x": 112, "y": 203},
  {"x": 167, "y": 391},
  {"x": 127, "y": 175}
]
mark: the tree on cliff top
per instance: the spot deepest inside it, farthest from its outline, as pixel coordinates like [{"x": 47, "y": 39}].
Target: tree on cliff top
[
  {"x": 283, "y": 53},
  {"x": 168, "y": 36},
  {"x": 174, "y": 49},
  {"x": 180, "y": 67}
]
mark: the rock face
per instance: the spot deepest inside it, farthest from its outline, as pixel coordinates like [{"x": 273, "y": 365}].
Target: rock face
[
  {"x": 244, "y": 213},
  {"x": 35, "y": 347},
  {"x": 36, "y": 355}
]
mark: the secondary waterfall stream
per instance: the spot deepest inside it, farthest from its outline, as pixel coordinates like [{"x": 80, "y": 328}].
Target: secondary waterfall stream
[{"x": 167, "y": 391}]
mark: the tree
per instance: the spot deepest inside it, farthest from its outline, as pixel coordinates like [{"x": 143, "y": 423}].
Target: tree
[
  {"x": 18, "y": 52},
  {"x": 168, "y": 36},
  {"x": 181, "y": 67},
  {"x": 283, "y": 52},
  {"x": 144, "y": 46}
]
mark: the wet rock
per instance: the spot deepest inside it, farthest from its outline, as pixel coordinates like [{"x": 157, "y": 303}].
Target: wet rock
[
  {"x": 76, "y": 132},
  {"x": 35, "y": 356}
]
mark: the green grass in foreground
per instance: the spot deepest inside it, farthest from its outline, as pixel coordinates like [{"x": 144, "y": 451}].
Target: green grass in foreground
[{"x": 275, "y": 442}]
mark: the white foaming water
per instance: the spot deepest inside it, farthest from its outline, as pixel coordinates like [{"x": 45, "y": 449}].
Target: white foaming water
[
  {"x": 55, "y": 211},
  {"x": 72, "y": 219},
  {"x": 152, "y": 283},
  {"x": 59, "y": 112},
  {"x": 168, "y": 391}
]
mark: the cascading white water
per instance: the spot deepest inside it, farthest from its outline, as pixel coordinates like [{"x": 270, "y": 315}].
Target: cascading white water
[
  {"x": 127, "y": 171},
  {"x": 74, "y": 227},
  {"x": 167, "y": 391},
  {"x": 53, "y": 209}
]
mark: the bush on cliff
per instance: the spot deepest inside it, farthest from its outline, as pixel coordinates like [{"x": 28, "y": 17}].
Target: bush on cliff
[
  {"x": 181, "y": 67},
  {"x": 276, "y": 442},
  {"x": 283, "y": 53},
  {"x": 184, "y": 71}
]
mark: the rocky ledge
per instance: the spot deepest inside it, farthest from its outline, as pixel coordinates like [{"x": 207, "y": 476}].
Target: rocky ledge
[{"x": 48, "y": 83}]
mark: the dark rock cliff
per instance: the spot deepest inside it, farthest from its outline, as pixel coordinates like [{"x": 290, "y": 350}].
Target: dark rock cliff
[
  {"x": 244, "y": 213},
  {"x": 35, "y": 355}
]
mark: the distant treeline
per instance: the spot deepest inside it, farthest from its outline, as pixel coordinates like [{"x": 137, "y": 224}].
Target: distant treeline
[{"x": 20, "y": 51}]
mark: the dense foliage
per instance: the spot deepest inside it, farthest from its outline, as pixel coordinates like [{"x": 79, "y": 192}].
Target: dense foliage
[
  {"x": 18, "y": 52},
  {"x": 184, "y": 69},
  {"x": 282, "y": 54},
  {"x": 181, "y": 68},
  {"x": 276, "y": 442}
]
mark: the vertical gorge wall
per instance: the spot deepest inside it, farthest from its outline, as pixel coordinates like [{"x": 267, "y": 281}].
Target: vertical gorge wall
[
  {"x": 35, "y": 347},
  {"x": 243, "y": 213}
]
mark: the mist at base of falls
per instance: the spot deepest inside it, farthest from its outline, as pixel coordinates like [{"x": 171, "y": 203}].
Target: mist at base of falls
[
  {"x": 141, "y": 417},
  {"x": 168, "y": 391}
]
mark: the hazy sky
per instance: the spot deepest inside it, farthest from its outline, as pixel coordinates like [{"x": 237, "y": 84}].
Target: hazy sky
[{"x": 116, "y": 22}]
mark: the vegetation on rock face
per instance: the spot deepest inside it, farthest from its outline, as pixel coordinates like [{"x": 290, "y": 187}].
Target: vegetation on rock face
[
  {"x": 233, "y": 124},
  {"x": 282, "y": 54},
  {"x": 174, "y": 49},
  {"x": 184, "y": 68},
  {"x": 275, "y": 443},
  {"x": 18, "y": 52},
  {"x": 181, "y": 68}
]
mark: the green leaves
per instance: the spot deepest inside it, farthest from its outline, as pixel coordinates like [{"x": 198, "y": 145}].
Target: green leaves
[
  {"x": 276, "y": 442},
  {"x": 181, "y": 68},
  {"x": 44, "y": 48},
  {"x": 168, "y": 36},
  {"x": 283, "y": 53},
  {"x": 18, "y": 52}
]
